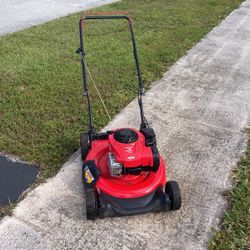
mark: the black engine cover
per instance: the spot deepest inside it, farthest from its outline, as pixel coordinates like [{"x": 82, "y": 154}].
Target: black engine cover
[{"x": 125, "y": 135}]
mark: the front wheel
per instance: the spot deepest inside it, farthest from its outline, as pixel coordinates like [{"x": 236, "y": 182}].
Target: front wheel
[
  {"x": 173, "y": 191},
  {"x": 91, "y": 204}
]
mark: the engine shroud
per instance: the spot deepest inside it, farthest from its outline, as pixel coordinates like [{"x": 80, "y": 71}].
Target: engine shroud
[
  {"x": 130, "y": 154},
  {"x": 133, "y": 153}
]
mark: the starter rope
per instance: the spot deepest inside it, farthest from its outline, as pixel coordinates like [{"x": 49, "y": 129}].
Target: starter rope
[{"x": 95, "y": 86}]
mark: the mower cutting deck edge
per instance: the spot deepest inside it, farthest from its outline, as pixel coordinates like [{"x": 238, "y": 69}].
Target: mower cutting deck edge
[{"x": 123, "y": 172}]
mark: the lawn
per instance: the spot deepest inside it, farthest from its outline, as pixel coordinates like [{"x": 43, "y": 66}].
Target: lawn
[
  {"x": 42, "y": 111},
  {"x": 235, "y": 228}
]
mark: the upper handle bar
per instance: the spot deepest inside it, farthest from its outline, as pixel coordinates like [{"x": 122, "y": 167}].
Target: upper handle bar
[
  {"x": 111, "y": 15},
  {"x": 105, "y": 15}
]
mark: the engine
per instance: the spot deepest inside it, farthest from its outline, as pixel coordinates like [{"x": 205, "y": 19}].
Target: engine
[
  {"x": 128, "y": 152},
  {"x": 115, "y": 168}
]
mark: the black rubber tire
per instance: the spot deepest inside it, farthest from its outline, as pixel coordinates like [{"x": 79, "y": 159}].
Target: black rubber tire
[
  {"x": 91, "y": 204},
  {"x": 173, "y": 191},
  {"x": 84, "y": 144}
]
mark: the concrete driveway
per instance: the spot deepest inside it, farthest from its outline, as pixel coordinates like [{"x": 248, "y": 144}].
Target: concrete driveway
[
  {"x": 198, "y": 110},
  {"x": 20, "y": 14}
]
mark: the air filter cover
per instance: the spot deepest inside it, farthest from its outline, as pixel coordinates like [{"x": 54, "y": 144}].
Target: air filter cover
[{"x": 125, "y": 135}]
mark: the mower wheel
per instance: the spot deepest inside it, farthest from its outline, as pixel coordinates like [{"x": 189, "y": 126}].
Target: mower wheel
[
  {"x": 173, "y": 191},
  {"x": 91, "y": 204},
  {"x": 84, "y": 144}
]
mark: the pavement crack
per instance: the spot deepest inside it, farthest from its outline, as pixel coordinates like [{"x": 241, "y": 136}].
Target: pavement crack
[
  {"x": 31, "y": 224},
  {"x": 221, "y": 129}
]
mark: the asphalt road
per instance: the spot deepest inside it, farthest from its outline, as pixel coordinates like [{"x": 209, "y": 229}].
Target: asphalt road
[
  {"x": 198, "y": 109},
  {"x": 15, "y": 178},
  {"x": 20, "y": 14}
]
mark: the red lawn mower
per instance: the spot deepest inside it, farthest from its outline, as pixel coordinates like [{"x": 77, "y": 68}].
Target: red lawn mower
[{"x": 123, "y": 172}]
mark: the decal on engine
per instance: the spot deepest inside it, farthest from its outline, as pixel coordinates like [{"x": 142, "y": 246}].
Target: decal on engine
[
  {"x": 129, "y": 150},
  {"x": 131, "y": 157}
]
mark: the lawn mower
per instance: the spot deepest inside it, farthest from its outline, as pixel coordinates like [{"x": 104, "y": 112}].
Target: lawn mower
[{"x": 123, "y": 172}]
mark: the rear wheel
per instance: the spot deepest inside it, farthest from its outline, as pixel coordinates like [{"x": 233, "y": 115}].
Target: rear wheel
[
  {"x": 173, "y": 191},
  {"x": 91, "y": 204},
  {"x": 84, "y": 144}
]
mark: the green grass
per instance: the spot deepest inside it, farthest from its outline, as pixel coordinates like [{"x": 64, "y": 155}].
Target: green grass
[
  {"x": 235, "y": 228},
  {"x": 41, "y": 108}
]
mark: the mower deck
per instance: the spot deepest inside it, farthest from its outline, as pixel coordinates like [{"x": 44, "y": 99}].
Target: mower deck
[{"x": 124, "y": 186}]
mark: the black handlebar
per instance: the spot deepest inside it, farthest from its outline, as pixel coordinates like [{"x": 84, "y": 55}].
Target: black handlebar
[{"x": 80, "y": 50}]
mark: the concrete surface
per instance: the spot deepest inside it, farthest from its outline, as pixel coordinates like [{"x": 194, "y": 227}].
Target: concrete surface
[
  {"x": 198, "y": 110},
  {"x": 19, "y": 14}
]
